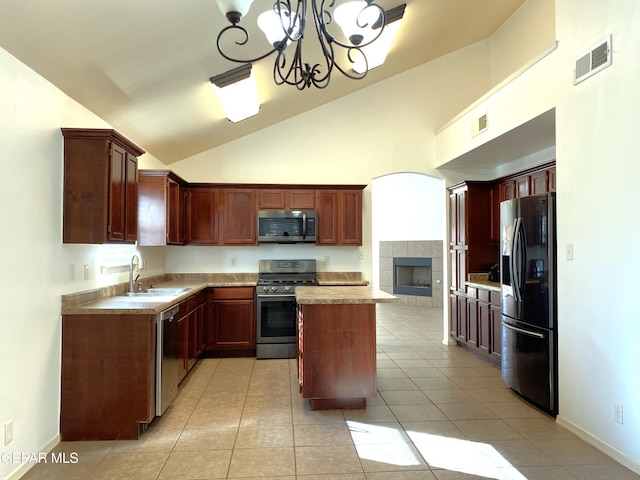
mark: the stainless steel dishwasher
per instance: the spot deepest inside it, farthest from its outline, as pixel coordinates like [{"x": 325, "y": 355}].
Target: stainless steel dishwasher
[{"x": 166, "y": 359}]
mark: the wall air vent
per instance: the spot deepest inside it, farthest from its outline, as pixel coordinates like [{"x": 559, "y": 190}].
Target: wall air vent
[
  {"x": 479, "y": 125},
  {"x": 592, "y": 61}
]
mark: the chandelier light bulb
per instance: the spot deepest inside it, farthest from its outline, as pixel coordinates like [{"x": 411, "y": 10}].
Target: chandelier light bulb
[
  {"x": 234, "y": 10},
  {"x": 356, "y": 19},
  {"x": 273, "y": 27}
]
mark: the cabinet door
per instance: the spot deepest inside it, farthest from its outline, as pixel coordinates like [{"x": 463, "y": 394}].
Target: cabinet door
[
  {"x": 539, "y": 182},
  {"x": 327, "y": 208},
  {"x": 117, "y": 193},
  {"x": 203, "y": 216},
  {"x": 523, "y": 186},
  {"x": 131, "y": 199},
  {"x": 175, "y": 215},
  {"x": 496, "y": 333},
  {"x": 494, "y": 199},
  {"x": 350, "y": 217},
  {"x": 301, "y": 199},
  {"x": 239, "y": 217},
  {"x": 552, "y": 179},
  {"x": 462, "y": 318},
  {"x": 507, "y": 190},
  {"x": 453, "y": 315},
  {"x": 472, "y": 321},
  {"x": 461, "y": 207},
  {"x": 271, "y": 199},
  {"x": 453, "y": 219},
  {"x": 234, "y": 324},
  {"x": 183, "y": 347},
  {"x": 484, "y": 327}
]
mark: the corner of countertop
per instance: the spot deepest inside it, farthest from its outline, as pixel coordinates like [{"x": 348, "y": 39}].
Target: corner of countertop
[{"x": 341, "y": 278}]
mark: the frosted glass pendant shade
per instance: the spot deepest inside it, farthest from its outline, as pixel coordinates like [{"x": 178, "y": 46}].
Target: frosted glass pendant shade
[
  {"x": 271, "y": 25},
  {"x": 356, "y": 21},
  {"x": 234, "y": 10}
]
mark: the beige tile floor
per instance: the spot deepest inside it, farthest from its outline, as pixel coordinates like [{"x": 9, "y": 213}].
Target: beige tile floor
[{"x": 441, "y": 413}]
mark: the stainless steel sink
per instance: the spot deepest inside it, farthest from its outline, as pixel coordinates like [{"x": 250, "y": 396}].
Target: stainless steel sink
[{"x": 155, "y": 292}]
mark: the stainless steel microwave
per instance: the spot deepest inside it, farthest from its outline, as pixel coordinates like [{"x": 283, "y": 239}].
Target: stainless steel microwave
[{"x": 287, "y": 226}]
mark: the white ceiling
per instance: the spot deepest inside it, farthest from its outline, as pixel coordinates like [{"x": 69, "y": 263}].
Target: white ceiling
[{"x": 144, "y": 66}]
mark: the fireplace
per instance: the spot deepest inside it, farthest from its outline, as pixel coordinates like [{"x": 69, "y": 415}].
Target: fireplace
[{"x": 412, "y": 276}]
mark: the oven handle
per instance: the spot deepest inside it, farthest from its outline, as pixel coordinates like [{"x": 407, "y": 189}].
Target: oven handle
[{"x": 276, "y": 296}]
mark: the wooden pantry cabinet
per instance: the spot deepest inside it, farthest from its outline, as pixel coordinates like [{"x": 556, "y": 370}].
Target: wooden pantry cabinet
[{"x": 100, "y": 198}]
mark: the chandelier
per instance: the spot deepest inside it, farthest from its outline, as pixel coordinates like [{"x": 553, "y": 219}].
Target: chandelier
[{"x": 285, "y": 24}]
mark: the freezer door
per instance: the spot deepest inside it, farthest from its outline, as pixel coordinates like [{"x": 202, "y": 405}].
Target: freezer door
[{"x": 529, "y": 364}]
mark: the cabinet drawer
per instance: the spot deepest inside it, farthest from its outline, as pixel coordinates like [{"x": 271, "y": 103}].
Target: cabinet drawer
[
  {"x": 233, "y": 293},
  {"x": 472, "y": 292},
  {"x": 195, "y": 300},
  {"x": 483, "y": 295},
  {"x": 496, "y": 300}
]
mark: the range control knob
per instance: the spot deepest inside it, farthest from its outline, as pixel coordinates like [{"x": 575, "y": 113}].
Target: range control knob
[
  {"x": 287, "y": 288},
  {"x": 274, "y": 289},
  {"x": 265, "y": 289}
]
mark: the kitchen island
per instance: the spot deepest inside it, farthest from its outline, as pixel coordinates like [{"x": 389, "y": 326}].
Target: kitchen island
[{"x": 337, "y": 344}]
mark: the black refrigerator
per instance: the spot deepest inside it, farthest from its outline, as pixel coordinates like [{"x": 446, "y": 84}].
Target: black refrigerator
[{"x": 528, "y": 287}]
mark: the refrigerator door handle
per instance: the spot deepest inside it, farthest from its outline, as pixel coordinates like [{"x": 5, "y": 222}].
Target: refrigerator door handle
[
  {"x": 518, "y": 259},
  {"x": 520, "y": 330}
]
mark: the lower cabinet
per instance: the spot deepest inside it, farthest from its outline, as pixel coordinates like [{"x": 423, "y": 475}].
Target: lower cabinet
[
  {"x": 190, "y": 332},
  {"x": 107, "y": 376},
  {"x": 475, "y": 321},
  {"x": 232, "y": 324}
]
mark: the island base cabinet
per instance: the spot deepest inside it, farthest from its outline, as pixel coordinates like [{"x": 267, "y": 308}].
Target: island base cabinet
[
  {"x": 337, "y": 354},
  {"x": 108, "y": 376}
]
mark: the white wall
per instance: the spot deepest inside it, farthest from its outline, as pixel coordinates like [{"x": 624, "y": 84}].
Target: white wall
[
  {"x": 597, "y": 126},
  {"x": 35, "y": 264}
]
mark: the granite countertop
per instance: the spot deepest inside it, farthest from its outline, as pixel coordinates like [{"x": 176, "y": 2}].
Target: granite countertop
[
  {"x": 480, "y": 280},
  {"x": 112, "y": 301},
  {"x": 330, "y": 295}
]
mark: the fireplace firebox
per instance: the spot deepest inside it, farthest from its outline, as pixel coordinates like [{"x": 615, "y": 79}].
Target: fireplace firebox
[{"x": 412, "y": 276}]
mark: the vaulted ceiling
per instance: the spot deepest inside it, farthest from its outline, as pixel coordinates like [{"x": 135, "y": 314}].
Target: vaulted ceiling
[{"x": 144, "y": 66}]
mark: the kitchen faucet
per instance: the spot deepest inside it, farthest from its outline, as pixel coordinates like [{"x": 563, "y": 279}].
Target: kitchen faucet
[{"x": 140, "y": 267}]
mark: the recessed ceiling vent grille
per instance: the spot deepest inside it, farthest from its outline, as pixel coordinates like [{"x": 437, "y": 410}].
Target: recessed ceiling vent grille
[
  {"x": 479, "y": 125},
  {"x": 592, "y": 61}
]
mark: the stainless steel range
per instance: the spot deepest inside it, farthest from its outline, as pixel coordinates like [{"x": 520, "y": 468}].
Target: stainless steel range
[{"x": 276, "y": 335}]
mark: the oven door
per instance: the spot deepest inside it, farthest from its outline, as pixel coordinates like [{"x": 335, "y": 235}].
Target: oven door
[{"x": 276, "y": 319}]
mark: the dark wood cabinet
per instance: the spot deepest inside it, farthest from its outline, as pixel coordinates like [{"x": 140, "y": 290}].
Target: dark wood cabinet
[
  {"x": 107, "y": 376},
  {"x": 285, "y": 199},
  {"x": 203, "y": 216},
  {"x": 339, "y": 216},
  {"x": 337, "y": 354},
  {"x": 239, "y": 216},
  {"x": 161, "y": 208},
  {"x": 100, "y": 198},
  {"x": 190, "y": 332},
  {"x": 233, "y": 319}
]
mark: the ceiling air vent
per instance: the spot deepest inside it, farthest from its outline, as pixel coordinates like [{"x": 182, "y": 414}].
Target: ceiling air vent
[
  {"x": 592, "y": 61},
  {"x": 479, "y": 125}
]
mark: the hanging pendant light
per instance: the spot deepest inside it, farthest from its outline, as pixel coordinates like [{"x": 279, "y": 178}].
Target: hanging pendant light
[{"x": 284, "y": 25}]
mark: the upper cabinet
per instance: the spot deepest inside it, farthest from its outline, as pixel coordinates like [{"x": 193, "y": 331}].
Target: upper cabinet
[
  {"x": 100, "y": 187},
  {"x": 339, "y": 216},
  {"x": 286, "y": 199},
  {"x": 239, "y": 218},
  {"x": 161, "y": 208}
]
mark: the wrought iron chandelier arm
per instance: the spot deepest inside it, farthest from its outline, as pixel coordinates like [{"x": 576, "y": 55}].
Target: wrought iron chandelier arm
[{"x": 243, "y": 42}]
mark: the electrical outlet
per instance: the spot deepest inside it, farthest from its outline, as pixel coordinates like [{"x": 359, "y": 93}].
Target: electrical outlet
[
  {"x": 86, "y": 272},
  {"x": 569, "y": 251},
  {"x": 617, "y": 413},
  {"x": 233, "y": 261},
  {"x": 8, "y": 432},
  {"x": 361, "y": 254},
  {"x": 327, "y": 260}
]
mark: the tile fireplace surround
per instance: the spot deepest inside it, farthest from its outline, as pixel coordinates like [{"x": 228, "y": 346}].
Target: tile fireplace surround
[{"x": 413, "y": 249}]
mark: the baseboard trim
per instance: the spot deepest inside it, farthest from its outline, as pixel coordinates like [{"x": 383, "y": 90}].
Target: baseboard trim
[
  {"x": 26, "y": 466},
  {"x": 599, "y": 444}
]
